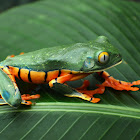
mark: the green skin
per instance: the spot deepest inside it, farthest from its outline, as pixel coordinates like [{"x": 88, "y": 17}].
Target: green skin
[{"x": 71, "y": 57}]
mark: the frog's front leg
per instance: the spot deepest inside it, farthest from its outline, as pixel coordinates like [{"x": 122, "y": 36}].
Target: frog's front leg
[
  {"x": 116, "y": 84},
  {"x": 109, "y": 82}
]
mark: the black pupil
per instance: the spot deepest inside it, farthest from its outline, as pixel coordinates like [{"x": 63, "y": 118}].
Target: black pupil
[{"x": 104, "y": 57}]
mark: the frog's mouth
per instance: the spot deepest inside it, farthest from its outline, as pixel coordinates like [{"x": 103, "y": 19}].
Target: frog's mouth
[
  {"x": 109, "y": 67},
  {"x": 92, "y": 71}
]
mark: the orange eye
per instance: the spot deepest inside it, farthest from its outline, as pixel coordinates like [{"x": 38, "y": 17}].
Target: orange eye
[{"x": 103, "y": 57}]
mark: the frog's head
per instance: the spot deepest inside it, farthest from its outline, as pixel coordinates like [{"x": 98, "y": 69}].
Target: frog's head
[{"x": 101, "y": 56}]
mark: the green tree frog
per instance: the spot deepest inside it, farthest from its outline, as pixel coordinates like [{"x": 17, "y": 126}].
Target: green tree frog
[{"x": 57, "y": 65}]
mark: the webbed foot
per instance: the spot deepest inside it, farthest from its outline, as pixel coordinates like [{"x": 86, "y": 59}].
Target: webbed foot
[
  {"x": 70, "y": 92},
  {"x": 83, "y": 96},
  {"x": 26, "y": 97}
]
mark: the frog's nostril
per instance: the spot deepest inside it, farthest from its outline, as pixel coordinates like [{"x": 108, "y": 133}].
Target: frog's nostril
[{"x": 118, "y": 55}]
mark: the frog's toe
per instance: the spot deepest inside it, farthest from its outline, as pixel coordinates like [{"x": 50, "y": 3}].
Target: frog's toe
[
  {"x": 90, "y": 93},
  {"x": 95, "y": 100},
  {"x": 120, "y": 85},
  {"x": 29, "y": 97},
  {"x": 26, "y": 102},
  {"x": 89, "y": 98}
]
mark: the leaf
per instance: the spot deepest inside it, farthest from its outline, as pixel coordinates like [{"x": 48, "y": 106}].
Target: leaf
[{"x": 49, "y": 23}]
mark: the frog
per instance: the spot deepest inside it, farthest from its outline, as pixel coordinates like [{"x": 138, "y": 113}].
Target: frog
[{"x": 57, "y": 65}]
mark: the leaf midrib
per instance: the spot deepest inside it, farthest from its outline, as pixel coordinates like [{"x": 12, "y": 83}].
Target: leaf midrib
[{"x": 83, "y": 108}]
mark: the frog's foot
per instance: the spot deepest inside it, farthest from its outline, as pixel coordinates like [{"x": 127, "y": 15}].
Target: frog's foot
[
  {"x": 83, "y": 89},
  {"x": 116, "y": 84},
  {"x": 83, "y": 96},
  {"x": 79, "y": 92},
  {"x": 26, "y": 97},
  {"x": 90, "y": 93}
]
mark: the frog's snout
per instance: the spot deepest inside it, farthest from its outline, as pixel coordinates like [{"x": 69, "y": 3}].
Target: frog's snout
[{"x": 118, "y": 57}]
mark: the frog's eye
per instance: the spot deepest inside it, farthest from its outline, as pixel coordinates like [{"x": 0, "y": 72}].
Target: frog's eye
[
  {"x": 103, "y": 57},
  {"x": 89, "y": 62}
]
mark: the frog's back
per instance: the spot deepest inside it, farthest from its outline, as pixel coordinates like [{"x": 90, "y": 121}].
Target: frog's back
[
  {"x": 49, "y": 59},
  {"x": 52, "y": 62},
  {"x": 43, "y": 65}
]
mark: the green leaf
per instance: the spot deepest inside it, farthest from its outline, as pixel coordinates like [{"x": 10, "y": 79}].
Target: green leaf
[{"x": 49, "y": 23}]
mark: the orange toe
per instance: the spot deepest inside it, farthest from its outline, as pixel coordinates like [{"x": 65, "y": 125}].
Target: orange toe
[
  {"x": 26, "y": 102},
  {"x": 95, "y": 100}
]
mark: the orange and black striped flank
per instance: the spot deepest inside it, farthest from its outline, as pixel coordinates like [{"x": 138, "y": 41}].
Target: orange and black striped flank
[
  {"x": 46, "y": 74},
  {"x": 19, "y": 74},
  {"x": 39, "y": 77},
  {"x": 29, "y": 77}
]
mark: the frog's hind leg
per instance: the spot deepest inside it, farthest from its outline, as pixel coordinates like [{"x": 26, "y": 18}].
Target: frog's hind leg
[
  {"x": 70, "y": 92},
  {"x": 8, "y": 88},
  {"x": 116, "y": 84},
  {"x": 13, "y": 99}
]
